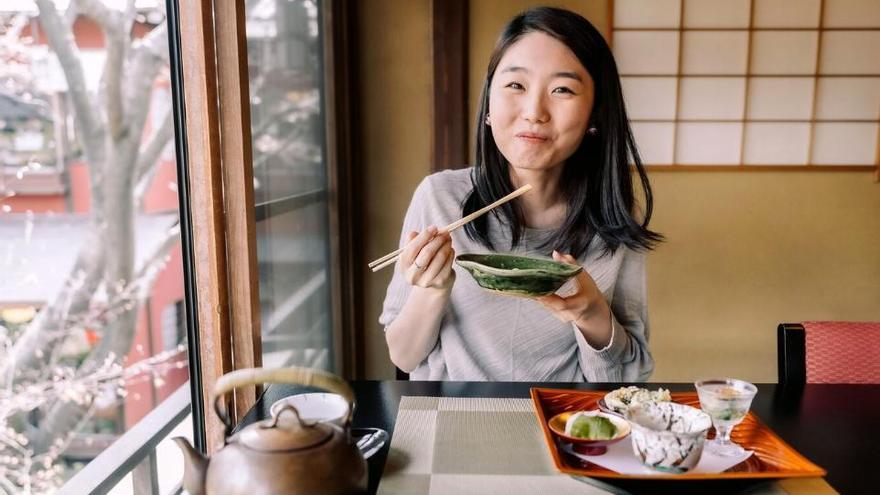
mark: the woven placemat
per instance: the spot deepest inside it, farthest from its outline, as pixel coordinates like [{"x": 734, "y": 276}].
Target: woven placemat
[{"x": 462, "y": 446}]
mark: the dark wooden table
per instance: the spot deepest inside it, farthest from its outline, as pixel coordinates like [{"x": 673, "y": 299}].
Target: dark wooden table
[{"x": 835, "y": 426}]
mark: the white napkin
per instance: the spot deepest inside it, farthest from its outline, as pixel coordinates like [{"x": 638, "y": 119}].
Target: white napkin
[{"x": 621, "y": 459}]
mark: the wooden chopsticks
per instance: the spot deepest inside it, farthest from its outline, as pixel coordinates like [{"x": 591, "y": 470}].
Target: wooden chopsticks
[{"x": 391, "y": 258}]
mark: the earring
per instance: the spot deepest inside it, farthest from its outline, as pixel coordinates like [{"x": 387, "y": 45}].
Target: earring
[
  {"x": 592, "y": 131},
  {"x": 487, "y": 121}
]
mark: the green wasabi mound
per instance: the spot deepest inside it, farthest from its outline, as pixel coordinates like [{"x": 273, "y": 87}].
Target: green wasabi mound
[{"x": 593, "y": 428}]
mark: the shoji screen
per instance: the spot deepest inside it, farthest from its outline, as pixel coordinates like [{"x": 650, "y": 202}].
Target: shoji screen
[{"x": 751, "y": 83}]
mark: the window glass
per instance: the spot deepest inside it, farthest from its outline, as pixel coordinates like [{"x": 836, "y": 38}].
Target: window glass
[
  {"x": 285, "y": 64},
  {"x": 90, "y": 296}
]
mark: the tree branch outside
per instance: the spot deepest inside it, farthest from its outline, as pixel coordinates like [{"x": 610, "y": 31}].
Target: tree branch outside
[{"x": 45, "y": 397}]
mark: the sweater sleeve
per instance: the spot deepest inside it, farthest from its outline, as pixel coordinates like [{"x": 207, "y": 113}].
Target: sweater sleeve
[
  {"x": 626, "y": 358},
  {"x": 398, "y": 289}
]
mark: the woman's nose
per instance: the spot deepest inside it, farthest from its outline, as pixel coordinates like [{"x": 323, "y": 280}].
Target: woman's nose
[{"x": 534, "y": 109}]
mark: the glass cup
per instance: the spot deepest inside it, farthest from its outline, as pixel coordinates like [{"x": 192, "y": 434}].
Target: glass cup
[{"x": 727, "y": 402}]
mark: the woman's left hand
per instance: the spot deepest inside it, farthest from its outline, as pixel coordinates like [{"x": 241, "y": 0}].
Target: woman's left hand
[{"x": 586, "y": 307}]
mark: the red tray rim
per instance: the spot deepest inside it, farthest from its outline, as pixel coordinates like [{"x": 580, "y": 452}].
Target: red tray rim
[{"x": 811, "y": 471}]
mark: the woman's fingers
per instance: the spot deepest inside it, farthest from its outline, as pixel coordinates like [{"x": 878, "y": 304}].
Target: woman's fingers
[
  {"x": 429, "y": 250},
  {"x": 435, "y": 267},
  {"x": 564, "y": 307},
  {"x": 583, "y": 279},
  {"x": 447, "y": 274},
  {"x": 415, "y": 244},
  {"x": 559, "y": 306},
  {"x": 583, "y": 301},
  {"x": 450, "y": 261},
  {"x": 552, "y": 301},
  {"x": 437, "y": 272},
  {"x": 426, "y": 258},
  {"x": 556, "y": 303},
  {"x": 565, "y": 258}
]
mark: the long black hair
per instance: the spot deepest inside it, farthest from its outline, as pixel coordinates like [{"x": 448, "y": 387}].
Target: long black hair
[{"x": 596, "y": 180}]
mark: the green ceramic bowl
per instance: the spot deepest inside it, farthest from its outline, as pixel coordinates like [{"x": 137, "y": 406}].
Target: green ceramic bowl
[{"x": 517, "y": 275}]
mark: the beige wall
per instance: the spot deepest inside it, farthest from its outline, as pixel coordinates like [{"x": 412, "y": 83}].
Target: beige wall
[
  {"x": 744, "y": 251},
  {"x": 395, "y": 83},
  {"x": 748, "y": 250}
]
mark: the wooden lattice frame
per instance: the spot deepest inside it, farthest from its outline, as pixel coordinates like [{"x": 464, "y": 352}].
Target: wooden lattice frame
[{"x": 749, "y": 76}]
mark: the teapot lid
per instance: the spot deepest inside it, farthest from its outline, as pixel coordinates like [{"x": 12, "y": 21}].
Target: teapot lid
[{"x": 285, "y": 432}]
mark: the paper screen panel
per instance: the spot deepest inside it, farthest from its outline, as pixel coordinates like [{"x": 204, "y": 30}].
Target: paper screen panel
[
  {"x": 784, "y": 52},
  {"x": 850, "y": 52},
  {"x": 769, "y": 143},
  {"x": 712, "y": 98},
  {"x": 646, "y": 52},
  {"x": 852, "y": 13},
  {"x": 837, "y": 143},
  {"x": 708, "y": 144},
  {"x": 848, "y": 98},
  {"x": 716, "y": 13},
  {"x": 654, "y": 141},
  {"x": 780, "y": 98},
  {"x": 647, "y": 13},
  {"x": 714, "y": 52},
  {"x": 751, "y": 82},
  {"x": 787, "y": 13},
  {"x": 651, "y": 98}
]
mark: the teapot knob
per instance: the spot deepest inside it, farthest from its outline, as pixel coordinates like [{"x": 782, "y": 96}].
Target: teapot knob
[{"x": 294, "y": 410}]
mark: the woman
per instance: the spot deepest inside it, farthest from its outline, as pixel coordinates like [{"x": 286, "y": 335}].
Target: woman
[{"x": 551, "y": 115}]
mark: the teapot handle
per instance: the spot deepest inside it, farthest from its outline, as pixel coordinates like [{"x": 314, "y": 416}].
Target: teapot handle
[{"x": 292, "y": 375}]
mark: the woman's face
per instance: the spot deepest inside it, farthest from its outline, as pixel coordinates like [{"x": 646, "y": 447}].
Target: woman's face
[{"x": 539, "y": 102}]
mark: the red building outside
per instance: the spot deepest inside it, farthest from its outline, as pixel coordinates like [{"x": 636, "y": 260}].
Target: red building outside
[{"x": 41, "y": 207}]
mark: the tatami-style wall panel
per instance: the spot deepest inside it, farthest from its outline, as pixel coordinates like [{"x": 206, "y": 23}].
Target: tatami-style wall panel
[
  {"x": 647, "y": 52},
  {"x": 699, "y": 98},
  {"x": 651, "y": 98},
  {"x": 781, "y": 98},
  {"x": 779, "y": 83},
  {"x": 716, "y": 14},
  {"x": 787, "y": 14},
  {"x": 852, "y": 13},
  {"x": 647, "y": 14},
  {"x": 656, "y": 141}
]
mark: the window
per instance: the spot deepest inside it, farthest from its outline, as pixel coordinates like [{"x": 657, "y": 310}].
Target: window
[
  {"x": 285, "y": 62},
  {"x": 742, "y": 83},
  {"x": 89, "y": 239},
  {"x": 173, "y": 326}
]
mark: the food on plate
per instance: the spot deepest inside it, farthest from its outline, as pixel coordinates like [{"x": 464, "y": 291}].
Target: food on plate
[
  {"x": 621, "y": 399},
  {"x": 590, "y": 426}
]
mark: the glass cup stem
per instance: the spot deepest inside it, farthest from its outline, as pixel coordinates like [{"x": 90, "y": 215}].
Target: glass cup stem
[{"x": 722, "y": 434}]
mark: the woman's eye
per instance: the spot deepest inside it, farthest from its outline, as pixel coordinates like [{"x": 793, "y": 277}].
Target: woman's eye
[
  {"x": 514, "y": 85},
  {"x": 563, "y": 90}
]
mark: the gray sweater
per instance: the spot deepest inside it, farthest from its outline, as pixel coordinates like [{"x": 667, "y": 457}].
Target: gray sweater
[{"x": 486, "y": 336}]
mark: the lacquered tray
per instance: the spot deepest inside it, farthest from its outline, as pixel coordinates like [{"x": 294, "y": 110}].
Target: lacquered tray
[{"x": 772, "y": 458}]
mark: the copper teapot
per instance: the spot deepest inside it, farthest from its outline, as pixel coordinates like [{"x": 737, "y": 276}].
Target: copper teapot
[{"x": 281, "y": 454}]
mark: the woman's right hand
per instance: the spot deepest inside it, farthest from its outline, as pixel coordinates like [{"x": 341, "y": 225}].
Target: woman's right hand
[{"x": 427, "y": 259}]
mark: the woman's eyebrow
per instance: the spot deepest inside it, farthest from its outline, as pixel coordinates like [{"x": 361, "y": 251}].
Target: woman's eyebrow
[
  {"x": 565, "y": 74},
  {"x": 569, "y": 75},
  {"x": 514, "y": 68}
]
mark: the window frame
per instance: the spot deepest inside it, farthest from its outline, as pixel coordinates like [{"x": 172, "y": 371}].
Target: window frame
[{"x": 210, "y": 83}]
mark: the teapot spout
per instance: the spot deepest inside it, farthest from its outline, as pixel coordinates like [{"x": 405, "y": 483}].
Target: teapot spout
[{"x": 195, "y": 469}]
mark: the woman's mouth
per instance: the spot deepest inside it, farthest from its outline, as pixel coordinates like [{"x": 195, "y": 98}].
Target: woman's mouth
[{"x": 531, "y": 137}]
